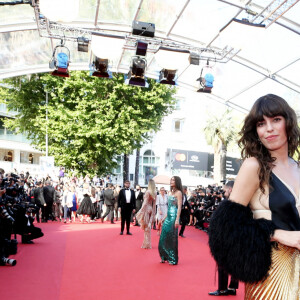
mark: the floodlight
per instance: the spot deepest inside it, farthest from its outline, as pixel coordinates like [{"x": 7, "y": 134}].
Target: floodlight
[
  {"x": 206, "y": 79},
  {"x": 83, "y": 44},
  {"x": 141, "y": 48},
  {"x": 167, "y": 76},
  {"x": 99, "y": 68},
  {"x": 60, "y": 61},
  {"x": 136, "y": 75},
  {"x": 194, "y": 59},
  {"x": 143, "y": 28}
]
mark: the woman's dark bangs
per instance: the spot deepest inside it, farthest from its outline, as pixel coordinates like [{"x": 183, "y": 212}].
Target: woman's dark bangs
[{"x": 269, "y": 109}]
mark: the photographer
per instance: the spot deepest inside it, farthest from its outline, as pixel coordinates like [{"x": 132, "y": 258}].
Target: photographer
[
  {"x": 6, "y": 247},
  {"x": 24, "y": 225},
  {"x": 223, "y": 289}
]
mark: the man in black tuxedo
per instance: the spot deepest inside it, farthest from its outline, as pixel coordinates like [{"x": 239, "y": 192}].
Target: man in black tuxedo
[
  {"x": 49, "y": 194},
  {"x": 126, "y": 204},
  {"x": 185, "y": 212},
  {"x": 139, "y": 195},
  {"x": 223, "y": 289}
]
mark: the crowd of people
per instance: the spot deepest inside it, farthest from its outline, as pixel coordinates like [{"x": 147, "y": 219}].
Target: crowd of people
[{"x": 71, "y": 199}]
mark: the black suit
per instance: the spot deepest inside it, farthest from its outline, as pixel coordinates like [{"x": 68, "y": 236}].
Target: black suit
[
  {"x": 49, "y": 195},
  {"x": 185, "y": 213},
  {"x": 126, "y": 208},
  {"x": 27, "y": 230}
]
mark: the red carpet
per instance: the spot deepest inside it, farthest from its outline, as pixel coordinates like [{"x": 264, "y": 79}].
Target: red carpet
[{"x": 92, "y": 261}]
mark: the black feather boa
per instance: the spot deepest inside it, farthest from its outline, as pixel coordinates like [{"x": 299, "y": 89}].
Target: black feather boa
[{"x": 239, "y": 243}]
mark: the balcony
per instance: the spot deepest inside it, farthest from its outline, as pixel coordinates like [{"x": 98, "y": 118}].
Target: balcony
[{"x": 13, "y": 137}]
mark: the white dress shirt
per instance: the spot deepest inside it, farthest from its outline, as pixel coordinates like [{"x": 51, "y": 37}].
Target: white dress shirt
[{"x": 128, "y": 195}]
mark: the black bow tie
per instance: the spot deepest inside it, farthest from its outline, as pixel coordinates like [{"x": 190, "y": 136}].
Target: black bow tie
[{"x": 126, "y": 189}]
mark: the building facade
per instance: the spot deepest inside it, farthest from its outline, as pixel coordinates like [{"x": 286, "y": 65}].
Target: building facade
[{"x": 16, "y": 153}]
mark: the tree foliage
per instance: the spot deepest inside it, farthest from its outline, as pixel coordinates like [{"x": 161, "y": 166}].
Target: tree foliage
[{"x": 90, "y": 120}]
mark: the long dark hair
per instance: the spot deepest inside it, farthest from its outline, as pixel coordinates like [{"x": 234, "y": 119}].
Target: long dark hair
[
  {"x": 178, "y": 184},
  {"x": 270, "y": 106}
]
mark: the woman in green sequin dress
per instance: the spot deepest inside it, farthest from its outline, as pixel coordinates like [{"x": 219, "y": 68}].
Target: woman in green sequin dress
[{"x": 168, "y": 242}]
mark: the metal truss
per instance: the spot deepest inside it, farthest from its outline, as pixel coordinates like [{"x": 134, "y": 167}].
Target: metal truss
[
  {"x": 54, "y": 30},
  {"x": 273, "y": 12}
]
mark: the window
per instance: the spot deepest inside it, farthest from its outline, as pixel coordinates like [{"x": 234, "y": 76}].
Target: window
[
  {"x": 6, "y": 155},
  {"x": 179, "y": 103},
  {"x": 177, "y": 125},
  {"x": 29, "y": 158},
  {"x": 149, "y": 158}
]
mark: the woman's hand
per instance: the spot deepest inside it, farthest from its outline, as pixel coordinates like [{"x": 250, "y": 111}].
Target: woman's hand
[
  {"x": 288, "y": 238},
  {"x": 176, "y": 224}
]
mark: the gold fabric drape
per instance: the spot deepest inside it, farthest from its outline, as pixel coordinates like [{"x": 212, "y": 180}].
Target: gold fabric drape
[{"x": 283, "y": 280}]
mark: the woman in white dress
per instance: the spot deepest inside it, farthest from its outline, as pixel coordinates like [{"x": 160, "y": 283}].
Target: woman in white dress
[{"x": 162, "y": 208}]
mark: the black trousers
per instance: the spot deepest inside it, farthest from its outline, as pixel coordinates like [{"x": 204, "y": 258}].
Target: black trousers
[
  {"x": 184, "y": 220},
  {"x": 109, "y": 209},
  {"x": 31, "y": 233},
  {"x": 126, "y": 211},
  {"x": 223, "y": 280}
]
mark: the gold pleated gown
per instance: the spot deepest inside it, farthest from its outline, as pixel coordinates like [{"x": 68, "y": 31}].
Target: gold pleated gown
[{"x": 283, "y": 282}]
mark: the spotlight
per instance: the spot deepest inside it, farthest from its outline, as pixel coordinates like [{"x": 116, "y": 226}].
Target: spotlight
[
  {"x": 83, "y": 44},
  {"x": 60, "y": 61},
  {"x": 136, "y": 75},
  {"x": 99, "y": 68},
  {"x": 143, "y": 28},
  {"x": 141, "y": 48},
  {"x": 167, "y": 76},
  {"x": 194, "y": 58},
  {"x": 206, "y": 79}
]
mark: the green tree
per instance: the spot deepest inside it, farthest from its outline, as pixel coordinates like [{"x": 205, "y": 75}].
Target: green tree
[
  {"x": 90, "y": 120},
  {"x": 220, "y": 132}
]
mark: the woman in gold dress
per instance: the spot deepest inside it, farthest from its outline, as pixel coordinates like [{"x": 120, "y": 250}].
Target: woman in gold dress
[
  {"x": 255, "y": 235},
  {"x": 146, "y": 214}
]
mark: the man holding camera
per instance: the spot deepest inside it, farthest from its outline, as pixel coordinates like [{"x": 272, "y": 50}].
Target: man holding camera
[{"x": 223, "y": 289}]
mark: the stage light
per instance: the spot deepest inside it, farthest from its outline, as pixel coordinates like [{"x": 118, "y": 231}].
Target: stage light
[
  {"x": 60, "y": 61},
  {"x": 141, "y": 48},
  {"x": 136, "y": 75},
  {"x": 143, "y": 28},
  {"x": 206, "y": 83},
  {"x": 167, "y": 76},
  {"x": 194, "y": 59},
  {"x": 206, "y": 79},
  {"x": 99, "y": 68},
  {"x": 83, "y": 44}
]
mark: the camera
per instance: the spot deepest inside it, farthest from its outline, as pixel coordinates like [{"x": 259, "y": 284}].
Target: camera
[{"x": 7, "y": 261}]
